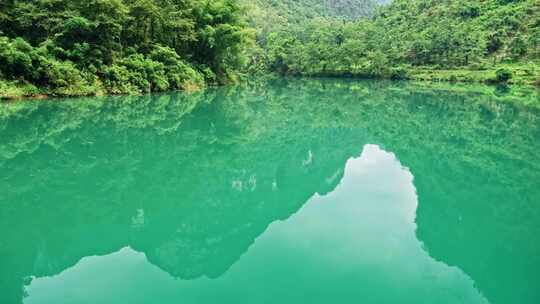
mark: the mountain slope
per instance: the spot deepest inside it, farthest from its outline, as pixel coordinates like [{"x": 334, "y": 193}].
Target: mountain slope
[
  {"x": 456, "y": 40},
  {"x": 299, "y": 10}
]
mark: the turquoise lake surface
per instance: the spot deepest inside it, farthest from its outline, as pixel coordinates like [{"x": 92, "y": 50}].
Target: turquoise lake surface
[{"x": 289, "y": 191}]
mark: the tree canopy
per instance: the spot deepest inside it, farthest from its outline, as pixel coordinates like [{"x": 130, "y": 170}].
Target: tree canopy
[
  {"x": 412, "y": 35},
  {"x": 89, "y": 47},
  {"x": 120, "y": 46}
]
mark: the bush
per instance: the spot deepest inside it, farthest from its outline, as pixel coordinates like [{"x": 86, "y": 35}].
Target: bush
[
  {"x": 477, "y": 66},
  {"x": 161, "y": 70},
  {"x": 116, "y": 80},
  {"x": 469, "y": 10},
  {"x": 399, "y": 73},
  {"x": 183, "y": 76},
  {"x": 62, "y": 74},
  {"x": 503, "y": 75},
  {"x": 15, "y": 58},
  {"x": 180, "y": 74},
  {"x": 50, "y": 66},
  {"x": 11, "y": 90},
  {"x": 145, "y": 74},
  {"x": 20, "y": 61},
  {"x": 208, "y": 74}
]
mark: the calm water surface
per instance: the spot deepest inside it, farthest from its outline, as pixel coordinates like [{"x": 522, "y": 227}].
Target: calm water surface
[{"x": 295, "y": 191}]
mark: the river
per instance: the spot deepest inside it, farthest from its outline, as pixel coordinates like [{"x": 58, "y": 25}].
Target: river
[{"x": 286, "y": 191}]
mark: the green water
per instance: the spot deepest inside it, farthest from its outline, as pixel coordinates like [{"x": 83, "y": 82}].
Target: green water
[{"x": 292, "y": 191}]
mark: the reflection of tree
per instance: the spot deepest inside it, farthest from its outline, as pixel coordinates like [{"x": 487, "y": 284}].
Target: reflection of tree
[
  {"x": 192, "y": 180},
  {"x": 204, "y": 189},
  {"x": 477, "y": 173}
]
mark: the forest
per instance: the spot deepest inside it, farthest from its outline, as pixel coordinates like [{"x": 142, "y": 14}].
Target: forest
[
  {"x": 452, "y": 40},
  {"x": 100, "y": 47},
  {"x": 87, "y": 47}
]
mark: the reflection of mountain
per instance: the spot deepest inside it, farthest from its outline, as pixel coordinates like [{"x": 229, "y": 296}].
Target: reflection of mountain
[
  {"x": 485, "y": 224},
  {"x": 192, "y": 183},
  {"x": 364, "y": 220},
  {"x": 488, "y": 229},
  {"x": 477, "y": 175},
  {"x": 192, "y": 199}
]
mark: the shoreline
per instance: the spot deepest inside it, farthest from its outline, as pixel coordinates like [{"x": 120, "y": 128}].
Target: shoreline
[{"x": 20, "y": 92}]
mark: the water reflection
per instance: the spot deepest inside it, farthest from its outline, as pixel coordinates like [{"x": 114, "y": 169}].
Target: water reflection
[
  {"x": 370, "y": 253},
  {"x": 186, "y": 186}
]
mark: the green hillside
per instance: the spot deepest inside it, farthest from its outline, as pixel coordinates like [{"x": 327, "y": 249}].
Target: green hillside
[
  {"x": 66, "y": 48},
  {"x": 296, "y": 11},
  {"x": 488, "y": 40},
  {"x": 87, "y": 47}
]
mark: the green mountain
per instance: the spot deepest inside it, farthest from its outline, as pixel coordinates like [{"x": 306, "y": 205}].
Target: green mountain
[
  {"x": 65, "y": 48},
  {"x": 478, "y": 40},
  {"x": 296, "y": 11},
  {"x": 268, "y": 15},
  {"x": 87, "y": 47}
]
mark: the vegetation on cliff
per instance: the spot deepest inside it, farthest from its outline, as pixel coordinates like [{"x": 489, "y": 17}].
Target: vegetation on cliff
[
  {"x": 458, "y": 40},
  {"x": 92, "y": 47},
  {"x": 97, "y": 47}
]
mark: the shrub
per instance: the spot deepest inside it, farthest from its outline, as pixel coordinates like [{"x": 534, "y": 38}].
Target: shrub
[
  {"x": 208, "y": 74},
  {"x": 11, "y": 90},
  {"x": 179, "y": 74},
  {"x": 145, "y": 74},
  {"x": 64, "y": 79},
  {"x": 469, "y": 10},
  {"x": 15, "y": 58},
  {"x": 116, "y": 80},
  {"x": 503, "y": 75},
  {"x": 399, "y": 73},
  {"x": 20, "y": 61},
  {"x": 62, "y": 74},
  {"x": 161, "y": 70}
]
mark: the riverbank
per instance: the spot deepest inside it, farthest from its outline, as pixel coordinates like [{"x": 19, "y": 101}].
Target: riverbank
[
  {"x": 522, "y": 77},
  {"x": 13, "y": 90},
  {"x": 511, "y": 74},
  {"x": 522, "y": 74}
]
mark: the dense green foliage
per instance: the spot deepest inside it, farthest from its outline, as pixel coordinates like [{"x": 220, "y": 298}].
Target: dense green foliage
[
  {"x": 60, "y": 47},
  {"x": 85, "y": 47},
  {"x": 273, "y": 16},
  {"x": 298, "y": 11},
  {"x": 458, "y": 40}
]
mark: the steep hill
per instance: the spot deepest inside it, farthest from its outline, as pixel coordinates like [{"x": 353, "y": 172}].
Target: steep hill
[
  {"x": 299, "y": 10},
  {"x": 477, "y": 38},
  {"x": 87, "y": 47}
]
